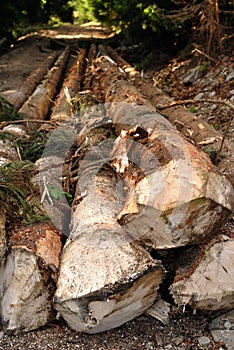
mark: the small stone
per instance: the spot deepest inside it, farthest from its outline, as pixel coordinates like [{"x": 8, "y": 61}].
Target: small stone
[
  {"x": 149, "y": 345},
  {"x": 212, "y": 94},
  {"x": 230, "y": 76},
  {"x": 203, "y": 341},
  {"x": 222, "y": 328},
  {"x": 200, "y": 96},
  {"x": 191, "y": 76}
]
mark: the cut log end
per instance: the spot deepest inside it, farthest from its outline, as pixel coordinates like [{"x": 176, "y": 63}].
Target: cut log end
[{"x": 101, "y": 288}]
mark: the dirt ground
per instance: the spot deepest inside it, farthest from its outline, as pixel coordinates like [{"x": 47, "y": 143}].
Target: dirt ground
[{"x": 184, "y": 330}]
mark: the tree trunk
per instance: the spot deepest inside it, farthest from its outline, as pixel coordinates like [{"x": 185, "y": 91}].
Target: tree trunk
[
  {"x": 20, "y": 96},
  {"x": 37, "y": 106},
  {"x": 28, "y": 277},
  {"x": 208, "y": 282},
  {"x": 199, "y": 131},
  {"x": 179, "y": 197},
  {"x": 62, "y": 110},
  {"x": 105, "y": 279}
]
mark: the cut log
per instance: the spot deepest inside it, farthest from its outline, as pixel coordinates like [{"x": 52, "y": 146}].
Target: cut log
[
  {"x": 28, "y": 278},
  {"x": 37, "y": 106},
  {"x": 180, "y": 197},
  {"x": 199, "y": 131},
  {"x": 26, "y": 89},
  {"x": 207, "y": 283},
  {"x": 105, "y": 280},
  {"x": 62, "y": 109}
]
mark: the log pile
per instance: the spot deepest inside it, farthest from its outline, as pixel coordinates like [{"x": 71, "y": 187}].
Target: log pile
[{"x": 140, "y": 191}]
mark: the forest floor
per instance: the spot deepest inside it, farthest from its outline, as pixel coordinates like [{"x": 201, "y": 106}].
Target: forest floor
[{"x": 184, "y": 330}]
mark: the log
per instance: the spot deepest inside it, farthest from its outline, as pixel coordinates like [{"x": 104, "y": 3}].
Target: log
[
  {"x": 19, "y": 97},
  {"x": 62, "y": 110},
  {"x": 180, "y": 197},
  {"x": 29, "y": 261},
  {"x": 37, "y": 106},
  {"x": 199, "y": 131},
  {"x": 105, "y": 279},
  {"x": 208, "y": 282},
  {"x": 28, "y": 277}
]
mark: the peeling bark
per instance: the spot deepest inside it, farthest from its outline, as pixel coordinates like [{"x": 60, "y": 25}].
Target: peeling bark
[
  {"x": 200, "y": 132},
  {"x": 181, "y": 198},
  {"x": 105, "y": 280}
]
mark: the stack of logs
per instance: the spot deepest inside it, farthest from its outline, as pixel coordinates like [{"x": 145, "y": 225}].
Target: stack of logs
[{"x": 147, "y": 192}]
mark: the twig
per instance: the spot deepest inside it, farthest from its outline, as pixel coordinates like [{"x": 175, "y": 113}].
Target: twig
[
  {"x": 203, "y": 54},
  {"x": 223, "y": 138},
  {"x": 26, "y": 121},
  {"x": 46, "y": 192},
  {"x": 186, "y": 102}
]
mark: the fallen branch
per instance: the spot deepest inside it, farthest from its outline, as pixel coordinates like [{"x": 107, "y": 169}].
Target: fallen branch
[{"x": 189, "y": 101}]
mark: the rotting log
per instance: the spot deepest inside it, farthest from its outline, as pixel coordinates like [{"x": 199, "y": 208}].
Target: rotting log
[
  {"x": 177, "y": 196},
  {"x": 37, "y": 106},
  {"x": 26, "y": 89},
  {"x": 206, "y": 283},
  {"x": 105, "y": 279},
  {"x": 62, "y": 109},
  {"x": 28, "y": 277}
]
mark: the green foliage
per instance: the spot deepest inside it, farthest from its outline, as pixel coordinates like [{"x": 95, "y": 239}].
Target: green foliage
[
  {"x": 56, "y": 193},
  {"x": 15, "y": 189},
  {"x": 145, "y": 62},
  {"x": 20, "y": 14},
  {"x": 203, "y": 67},
  {"x": 82, "y": 11},
  {"x": 193, "y": 109},
  {"x": 30, "y": 147},
  {"x": 7, "y": 111}
]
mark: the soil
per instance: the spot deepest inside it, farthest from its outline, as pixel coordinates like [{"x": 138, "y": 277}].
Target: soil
[{"x": 185, "y": 330}]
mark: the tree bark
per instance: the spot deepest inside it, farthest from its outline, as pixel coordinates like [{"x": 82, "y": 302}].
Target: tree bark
[
  {"x": 105, "y": 279},
  {"x": 180, "y": 197},
  {"x": 28, "y": 278},
  {"x": 19, "y": 97},
  {"x": 62, "y": 110},
  {"x": 200, "y": 132},
  {"x": 37, "y": 106}
]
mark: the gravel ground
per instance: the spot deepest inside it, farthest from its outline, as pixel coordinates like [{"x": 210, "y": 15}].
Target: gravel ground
[{"x": 184, "y": 331}]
